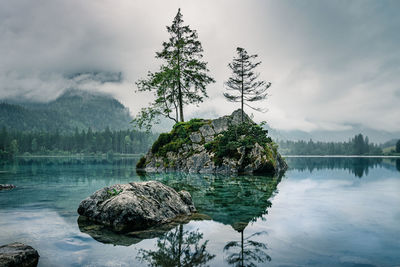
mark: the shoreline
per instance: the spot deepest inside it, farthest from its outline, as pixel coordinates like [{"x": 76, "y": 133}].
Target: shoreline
[{"x": 339, "y": 156}]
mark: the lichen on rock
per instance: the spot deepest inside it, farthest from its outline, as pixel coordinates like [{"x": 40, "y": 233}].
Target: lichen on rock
[{"x": 223, "y": 145}]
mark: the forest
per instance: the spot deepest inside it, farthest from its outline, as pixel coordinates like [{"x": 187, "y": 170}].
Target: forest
[
  {"x": 358, "y": 145},
  {"x": 88, "y": 142}
]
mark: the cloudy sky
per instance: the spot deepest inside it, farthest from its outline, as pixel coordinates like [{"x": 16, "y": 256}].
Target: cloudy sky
[{"x": 332, "y": 64}]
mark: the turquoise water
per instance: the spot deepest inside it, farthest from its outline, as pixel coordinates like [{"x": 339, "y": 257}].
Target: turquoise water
[{"x": 322, "y": 212}]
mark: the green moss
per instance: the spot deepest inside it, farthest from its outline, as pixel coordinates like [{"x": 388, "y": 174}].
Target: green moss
[
  {"x": 242, "y": 135},
  {"x": 141, "y": 163},
  {"x": 270, "y": 154},
  {"x": 174, "y": 140}
]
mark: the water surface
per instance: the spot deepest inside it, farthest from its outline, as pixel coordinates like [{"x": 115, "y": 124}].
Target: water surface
[{"x": 322, "y": 212}]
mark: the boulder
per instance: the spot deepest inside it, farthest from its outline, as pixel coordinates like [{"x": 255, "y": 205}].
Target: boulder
[
  {"x": 18, "y": 254},
  {"x": 136, "y": 206},
  {"x": 6, "y": 186}
]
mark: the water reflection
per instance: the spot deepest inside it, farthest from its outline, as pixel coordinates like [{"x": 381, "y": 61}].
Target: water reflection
[
  {"x": 178, "y": 248},
  {"x": 247, "y": 252},
  {"x": 358, "y": 166},
  {"x": 231, "y": 200},
  {"x": 106, "y": 235}
]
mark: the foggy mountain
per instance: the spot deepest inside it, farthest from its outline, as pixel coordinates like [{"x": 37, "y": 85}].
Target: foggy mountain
[{"x": 73, "y": 109}]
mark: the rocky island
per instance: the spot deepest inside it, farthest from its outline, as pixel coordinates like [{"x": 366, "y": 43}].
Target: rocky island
[{"x": 223, "y": 145}]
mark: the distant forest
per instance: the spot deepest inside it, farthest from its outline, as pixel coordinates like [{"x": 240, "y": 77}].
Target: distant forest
[
  {"x": 73, "y": 109},
  {"x": 359, "y": 145},
  {"x": 87, "y": 142}
]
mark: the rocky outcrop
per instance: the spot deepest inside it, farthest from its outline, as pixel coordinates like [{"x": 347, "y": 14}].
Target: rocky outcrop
[
  {"x": 6, "y": 186},
  {"x": 136, "y": 206},
  {"x": 18, "y": 254},
  {"x": 195, "y": 146}
]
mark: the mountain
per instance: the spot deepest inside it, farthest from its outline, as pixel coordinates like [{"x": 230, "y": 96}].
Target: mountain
[{"x": 73, "y": 109}]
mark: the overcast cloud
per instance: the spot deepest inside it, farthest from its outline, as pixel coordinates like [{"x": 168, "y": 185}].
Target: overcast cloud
[{"x": 332, "y": 64}]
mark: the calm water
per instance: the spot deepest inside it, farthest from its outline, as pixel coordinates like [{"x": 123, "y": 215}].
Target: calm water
[{"x": 322, "y": 212}]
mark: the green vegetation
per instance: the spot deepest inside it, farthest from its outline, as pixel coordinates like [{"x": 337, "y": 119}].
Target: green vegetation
[
  {"x": 174, "y": 140},
  {"x": 244, "y": 135},
  {"x": 359, "y": 145},
  {"x": 86, "y": 142},
  {"x": 398, "y": 146},
  {"x": 74, "y": 109},
  {"x": 181, "y": 80},
  {"x": 114, "y": 192}
]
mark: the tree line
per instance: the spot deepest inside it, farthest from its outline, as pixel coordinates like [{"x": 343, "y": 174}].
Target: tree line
[
  {"x": 123, "y": 141},
  {"x": 358, "y": 145}
]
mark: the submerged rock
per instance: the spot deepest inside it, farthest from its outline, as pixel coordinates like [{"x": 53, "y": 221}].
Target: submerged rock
[
  {"x": 136, "y": 206},
  {"x": 224, "y": 145},
  {"x": 6, "y": 186},
  {"x": 18, "y": 254}
]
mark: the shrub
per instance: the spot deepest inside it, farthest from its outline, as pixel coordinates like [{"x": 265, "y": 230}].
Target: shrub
[
  {"x": 141, "y": 163},
  {"x": 162, "y": 140},
  {"x": 174, "y": 140},
  {"x": 242, "y": 135}
]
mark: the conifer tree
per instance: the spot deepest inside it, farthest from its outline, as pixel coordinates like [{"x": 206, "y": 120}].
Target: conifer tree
[
  {"x": 181, "y": 80},
  {"x": 244, "y": 81}
]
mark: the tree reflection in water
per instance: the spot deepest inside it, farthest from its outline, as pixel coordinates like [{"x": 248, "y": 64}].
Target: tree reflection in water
[
  {"x": 246, "y": 252},
  {"x": 178, "y": 248}
]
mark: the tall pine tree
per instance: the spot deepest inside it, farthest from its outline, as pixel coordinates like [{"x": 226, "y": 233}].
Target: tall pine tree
[
  {"x": 181, "y": 80},
  {"x": 244, "y": 81}
]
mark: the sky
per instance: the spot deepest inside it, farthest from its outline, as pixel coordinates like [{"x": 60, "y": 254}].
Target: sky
[{"x": 332, "y": 64}]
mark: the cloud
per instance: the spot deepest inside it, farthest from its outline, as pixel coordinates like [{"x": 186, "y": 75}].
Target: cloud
[{"x": 331, "y": 64}]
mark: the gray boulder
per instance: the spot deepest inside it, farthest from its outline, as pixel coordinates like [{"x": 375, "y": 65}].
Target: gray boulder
[
  {"x": 6, "y": 186},
  {"x": 18, "y": 254},
  {"x": 136, "y": 206}
]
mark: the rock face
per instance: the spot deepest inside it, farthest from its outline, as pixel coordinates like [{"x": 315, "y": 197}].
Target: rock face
[
  {"x": 136, "y": 206},
  {"x": 193, "y": 153},
  {"x": 18, "y": 254},
  {"x": 6, "y": 186}
]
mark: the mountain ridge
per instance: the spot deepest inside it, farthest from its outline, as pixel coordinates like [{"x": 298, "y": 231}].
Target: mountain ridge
[{"x": 73, "y": 109}]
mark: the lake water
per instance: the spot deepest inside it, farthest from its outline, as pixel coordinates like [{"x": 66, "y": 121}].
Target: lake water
[{"x": 322, "y": 212}]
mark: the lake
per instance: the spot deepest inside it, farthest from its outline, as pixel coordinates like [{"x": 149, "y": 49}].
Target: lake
[{"x": 322, "y": 212}]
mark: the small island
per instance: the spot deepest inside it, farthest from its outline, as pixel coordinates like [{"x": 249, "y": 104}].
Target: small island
[{"x": 223, "y": 145}]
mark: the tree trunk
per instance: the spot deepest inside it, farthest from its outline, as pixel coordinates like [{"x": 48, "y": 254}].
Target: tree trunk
[
  {"x": 180, "y": 244},
  {"x": 242, "y": 249},
  {"x": 180, "y": 102},
  {"x": 242, "y": 74}
]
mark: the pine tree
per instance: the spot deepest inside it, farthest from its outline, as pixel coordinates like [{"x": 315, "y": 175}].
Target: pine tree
[
  {"x": 244, "y": 81},
  {"x": 181, "y": 80}
]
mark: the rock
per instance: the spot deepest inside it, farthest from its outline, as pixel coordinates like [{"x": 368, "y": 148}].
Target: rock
[
  {"x": 236, "y": 117},
  {"x": 104, "y": 235},
  {"x": 6, "y": 186},
  {"x": 196, "y": 137},
  {"x": 207, "y": 131},
  {"x": 199, "y": 153},
  {"x": 136, "y": 206},
  {"x": 220, "y": 124},
  {"x": 18, "y": 254}
]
